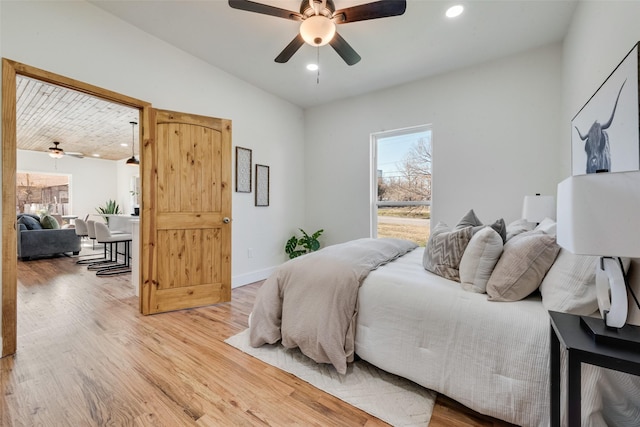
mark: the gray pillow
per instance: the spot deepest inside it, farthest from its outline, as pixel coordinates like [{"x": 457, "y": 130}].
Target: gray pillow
[
  {"x": 444, "y": 250},
  {"x": 30, "y": 222},
  {"x": 471, "y": 220}
]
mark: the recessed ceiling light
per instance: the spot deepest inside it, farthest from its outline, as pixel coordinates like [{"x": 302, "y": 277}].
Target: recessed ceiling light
[
  {"x": 124, "y": 144},
  {"x": 96, "y": 155},
  {"x": 454, "y": 11},
  {"x": 312, "y": 67}
]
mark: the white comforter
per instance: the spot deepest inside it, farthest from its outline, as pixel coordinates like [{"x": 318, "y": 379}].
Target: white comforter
[{"x": 492, "y": 357}]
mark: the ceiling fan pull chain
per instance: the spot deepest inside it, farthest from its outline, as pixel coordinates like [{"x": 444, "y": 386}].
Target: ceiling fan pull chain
[{"x": 318, "y": 62}]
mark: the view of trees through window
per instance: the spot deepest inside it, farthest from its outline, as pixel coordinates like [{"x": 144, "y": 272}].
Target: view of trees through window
[
  {"x": 38, "y": 193},
  {"x": 403, "y": 184}
]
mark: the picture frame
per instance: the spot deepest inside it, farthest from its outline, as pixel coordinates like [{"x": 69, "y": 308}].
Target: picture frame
[
  {"x": 262, "y": 185},
  {"x": 243, "y": 170},
  {"x": 605, "y": 135}
]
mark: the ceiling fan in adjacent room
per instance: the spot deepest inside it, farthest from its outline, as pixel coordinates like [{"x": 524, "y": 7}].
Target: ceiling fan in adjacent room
[
  {"x": 318, "y": 22},
  {"x": 56, "y": 152}
]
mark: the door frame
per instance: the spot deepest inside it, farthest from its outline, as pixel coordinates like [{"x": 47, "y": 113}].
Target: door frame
[{"x": 10, "y": 69}]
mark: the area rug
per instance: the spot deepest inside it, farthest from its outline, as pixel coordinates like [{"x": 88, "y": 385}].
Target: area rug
[{"x": 393, "y": 399}]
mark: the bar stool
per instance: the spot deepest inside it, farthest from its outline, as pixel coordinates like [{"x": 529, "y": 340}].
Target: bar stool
[
  {"x": 91, "y": 233},
  {"x": 106, "y": 237}
]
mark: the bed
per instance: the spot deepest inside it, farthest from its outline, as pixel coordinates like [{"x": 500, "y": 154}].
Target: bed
[{"x": 486, "y": 353}]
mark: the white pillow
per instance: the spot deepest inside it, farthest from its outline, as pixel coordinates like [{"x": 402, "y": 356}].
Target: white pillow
[
  {"x": 518, "y": 226},
  {"x": 570, "y": 284},
  {"x": 479, "y": 259},
  {"x": 547, "y": 226}
]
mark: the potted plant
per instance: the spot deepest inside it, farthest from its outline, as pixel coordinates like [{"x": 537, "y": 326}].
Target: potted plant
[
  {"x": 299, "y": 246},
  {"x": 109, "y": 208}
]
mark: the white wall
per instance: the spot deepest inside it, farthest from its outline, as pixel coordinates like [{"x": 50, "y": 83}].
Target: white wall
[
  {"x": 78, "y": 40},
  {"x": 496, "y": 129},
  {"x": 590, "y": 56}
]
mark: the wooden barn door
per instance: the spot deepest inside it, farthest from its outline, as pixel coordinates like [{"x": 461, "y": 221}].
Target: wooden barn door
[{"x": 186, "y": 234}]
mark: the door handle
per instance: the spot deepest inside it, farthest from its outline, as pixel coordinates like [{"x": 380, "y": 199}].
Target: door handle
[{"x": 226, "y": 220}]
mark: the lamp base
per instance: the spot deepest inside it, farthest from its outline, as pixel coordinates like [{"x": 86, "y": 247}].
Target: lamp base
[{"x": 627, "y": 337}]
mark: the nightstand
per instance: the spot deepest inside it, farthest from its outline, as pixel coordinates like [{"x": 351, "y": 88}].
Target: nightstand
[{"x": 581, "y": 348}]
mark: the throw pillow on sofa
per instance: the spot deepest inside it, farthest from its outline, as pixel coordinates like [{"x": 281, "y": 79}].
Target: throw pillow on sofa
[
  {"x": 444, "y": 250},
  {"x": 49, "y": 222},
  {"x": 525, "y": 260},
  {"x": 479, "y": 259},
  {"x": 30, "y": 222}
]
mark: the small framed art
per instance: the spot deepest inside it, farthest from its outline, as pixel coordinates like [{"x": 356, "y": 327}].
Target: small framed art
[
  {"x": 243, "y": 170},
  {"x": 262, "y": 185}
]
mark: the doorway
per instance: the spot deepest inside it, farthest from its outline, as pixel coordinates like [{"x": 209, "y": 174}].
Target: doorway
[
  {"x": 174, "y": 213},
  {"x": 10, "y": 70}
]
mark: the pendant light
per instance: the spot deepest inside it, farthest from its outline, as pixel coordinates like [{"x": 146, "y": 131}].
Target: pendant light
[{"x": 133, "y": 161}]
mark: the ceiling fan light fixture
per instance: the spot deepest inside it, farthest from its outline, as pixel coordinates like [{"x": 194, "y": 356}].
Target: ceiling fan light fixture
[
  {"x": 312, "y": 67},
  {"x": 317, "y": 30},
  {"x": 56, "y": 152}
]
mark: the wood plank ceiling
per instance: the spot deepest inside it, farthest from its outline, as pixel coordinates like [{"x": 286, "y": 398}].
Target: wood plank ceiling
[{"x": 82, "y": 124}]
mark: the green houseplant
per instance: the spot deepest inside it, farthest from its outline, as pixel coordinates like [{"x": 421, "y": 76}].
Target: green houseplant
[
  {"x": 299, "y": 246},
  {"x": 110, "y": 207}
]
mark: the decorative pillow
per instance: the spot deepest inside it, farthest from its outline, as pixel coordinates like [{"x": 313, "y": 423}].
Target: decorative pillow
[
  {"x": 547, "y": 226},
  {"x": 517, "y": 227},
  {"x": 49, "y": 222},
  {"x": 471, "y": 220},
  {"x": 30, "y": 222},
  {"x": 444, "y": 250},
  {"x": 525, "y": 260},
  {"x": 479, "y": 259},
  {"x": 570, "y": 284}
]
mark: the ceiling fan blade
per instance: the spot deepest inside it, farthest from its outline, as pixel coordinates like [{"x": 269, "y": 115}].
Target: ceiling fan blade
[
  {"x": 291, "y": 48},
  {"x": 373, "y": 10},
  {"x": 345, "y": 50},
  {"x": 265, "y": 9}
]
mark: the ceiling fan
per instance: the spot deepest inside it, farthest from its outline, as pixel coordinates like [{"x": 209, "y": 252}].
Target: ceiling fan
[
  {"x": 56, "y": 152},
  {"x": 318, "y": 22}
]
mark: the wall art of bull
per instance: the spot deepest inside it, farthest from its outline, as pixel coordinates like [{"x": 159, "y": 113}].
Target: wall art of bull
[{"x": 596, "y": 143}]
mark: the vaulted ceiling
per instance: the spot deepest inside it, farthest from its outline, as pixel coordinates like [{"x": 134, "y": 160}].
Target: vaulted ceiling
[{"x": 395, "y": 50}]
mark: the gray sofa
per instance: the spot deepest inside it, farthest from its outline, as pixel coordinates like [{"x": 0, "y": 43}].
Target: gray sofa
[{"x": 45, "y": 242}]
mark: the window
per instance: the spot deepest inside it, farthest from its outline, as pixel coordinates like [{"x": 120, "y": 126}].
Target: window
[
  {"x": 401, "y": 184},
  {"x": 37, "y": 193}
]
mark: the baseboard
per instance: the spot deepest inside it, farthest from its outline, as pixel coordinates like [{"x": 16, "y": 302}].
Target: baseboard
[{"x": 254, "y": 276}]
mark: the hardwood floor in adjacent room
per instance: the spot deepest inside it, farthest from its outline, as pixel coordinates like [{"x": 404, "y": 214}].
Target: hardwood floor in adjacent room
[{"x": 86, "y": 357}]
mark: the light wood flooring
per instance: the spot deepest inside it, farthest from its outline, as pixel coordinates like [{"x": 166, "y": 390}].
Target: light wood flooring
[{"x": 86, "y": 357}]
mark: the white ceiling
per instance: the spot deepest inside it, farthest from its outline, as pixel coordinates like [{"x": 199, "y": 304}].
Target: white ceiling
[{"x": 395, "y": 50}]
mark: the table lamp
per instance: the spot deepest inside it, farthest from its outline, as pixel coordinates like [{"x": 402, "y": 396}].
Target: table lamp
[{"x": 599, "y": 215}]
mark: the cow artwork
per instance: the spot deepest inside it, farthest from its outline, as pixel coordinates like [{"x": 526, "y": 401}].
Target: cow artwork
[{"x": 596, "y": 143}]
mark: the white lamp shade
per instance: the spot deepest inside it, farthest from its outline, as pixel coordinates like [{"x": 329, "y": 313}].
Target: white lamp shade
[
  {"x": 317, "y": 30},
  {"x": 537, "y": 208},
  {"x": 599, "y": 214}
]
